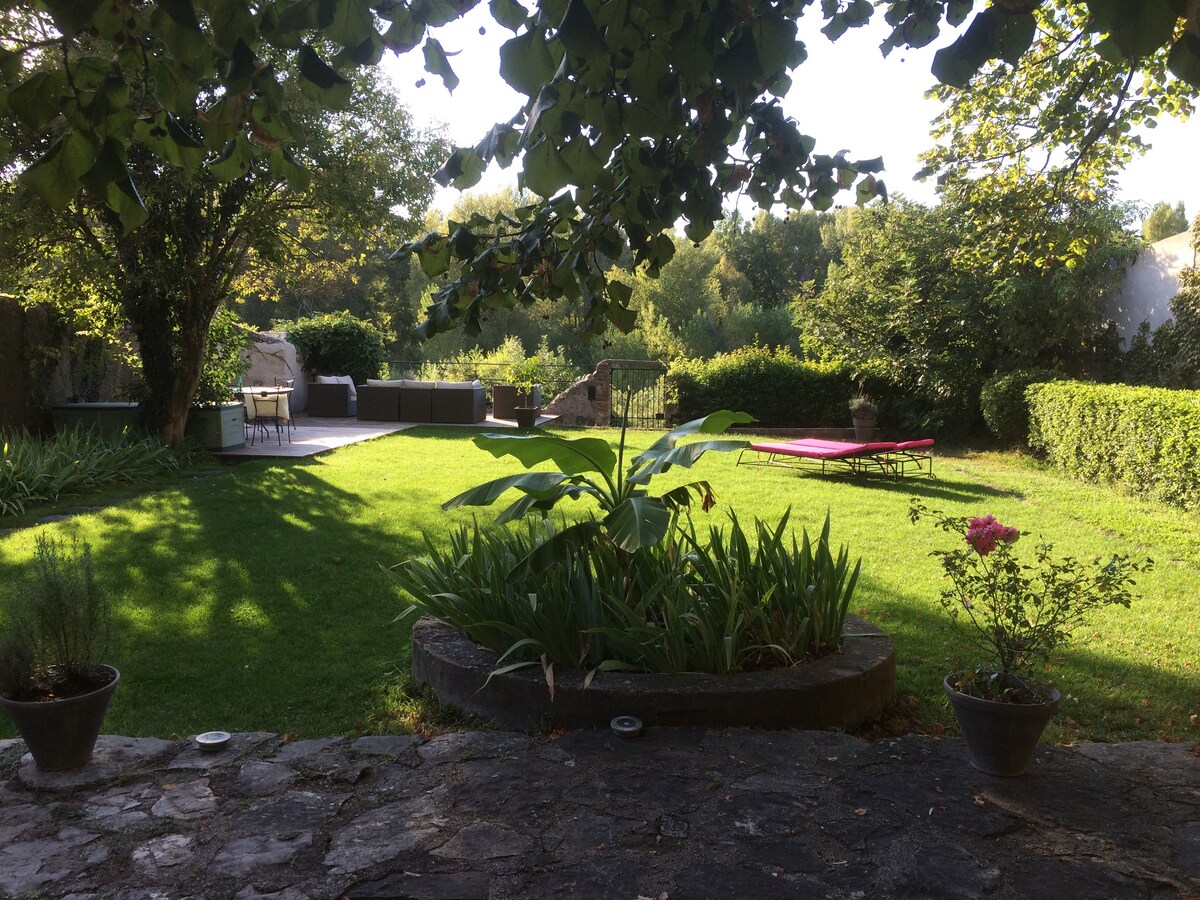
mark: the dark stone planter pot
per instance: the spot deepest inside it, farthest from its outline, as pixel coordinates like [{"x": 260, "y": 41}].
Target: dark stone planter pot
[
  {"x": 1001, "y": 737},
  {"x": 526, "y": 416},
  {"x": 840, "y": 690},
  {"x": 864, "y": 429},
  {"x": 61, "y": 734}
]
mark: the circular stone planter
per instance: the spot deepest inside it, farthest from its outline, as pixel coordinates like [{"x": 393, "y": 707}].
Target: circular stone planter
[{"x": 842, "y": 689}]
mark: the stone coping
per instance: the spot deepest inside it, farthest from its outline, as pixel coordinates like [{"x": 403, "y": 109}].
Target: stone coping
[{"x": 840, "y": 690}]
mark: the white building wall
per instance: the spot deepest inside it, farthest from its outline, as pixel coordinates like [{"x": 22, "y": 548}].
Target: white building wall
[{"x": 1150, "y": 283}]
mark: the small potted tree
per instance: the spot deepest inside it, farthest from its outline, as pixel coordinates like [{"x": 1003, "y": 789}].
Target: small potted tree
[
  {"x": 216, "y": 419},
  {"x": 1016, "y": 615},
  {"x": 520, "y": 398},
  {"x": 53, "y": 684},
  {"x": 863, "y": 411}
]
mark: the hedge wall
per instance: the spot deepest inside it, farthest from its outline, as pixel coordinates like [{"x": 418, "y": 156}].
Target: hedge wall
[
  {"x": 775, "y": 387},
  {"x": 1147, "y": 438}
]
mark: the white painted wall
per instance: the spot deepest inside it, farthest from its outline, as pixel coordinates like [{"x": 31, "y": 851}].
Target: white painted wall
[{"x": 1150, "y": 283}]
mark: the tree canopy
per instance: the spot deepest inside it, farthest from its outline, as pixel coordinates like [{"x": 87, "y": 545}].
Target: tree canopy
[
  {"x": 1164, "y": 221},
  {"x": 640, "y": 113}
]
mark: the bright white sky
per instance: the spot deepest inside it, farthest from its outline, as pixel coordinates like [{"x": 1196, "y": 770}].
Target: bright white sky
[{"x": 846, "y": 95}]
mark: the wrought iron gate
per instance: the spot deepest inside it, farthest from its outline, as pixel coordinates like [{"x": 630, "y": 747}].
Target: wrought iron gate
[{"x": 636, "y": 396}]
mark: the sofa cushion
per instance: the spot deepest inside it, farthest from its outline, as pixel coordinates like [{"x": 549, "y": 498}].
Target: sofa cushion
[
  {"x": 384, "y": 382},
  {"x": 424, "y": 385},
  {"x": 458, "y": 385},
  {"x": 338, "y": 379}
]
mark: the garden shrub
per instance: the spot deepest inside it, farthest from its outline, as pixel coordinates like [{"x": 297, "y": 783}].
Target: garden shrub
[
  {"x": 224, "y": 363},
  {"x": 774, "y": 386},
  {"x": 33, "y": 470},
  {"x": 1003, "y": 403},
  {"x": 1146, "y": 438},
  {"x": 338, "y": 344}
]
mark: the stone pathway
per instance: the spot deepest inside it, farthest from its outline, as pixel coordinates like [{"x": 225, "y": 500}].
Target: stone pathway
[{"x": 675, "y": 814}]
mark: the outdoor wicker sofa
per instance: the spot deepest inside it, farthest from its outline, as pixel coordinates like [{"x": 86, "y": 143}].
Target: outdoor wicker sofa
[{"x": 434, "y": 402}]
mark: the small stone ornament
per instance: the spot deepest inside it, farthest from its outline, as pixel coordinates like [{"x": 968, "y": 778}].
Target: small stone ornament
[
  {"x": 212, "y": 741},
  {"x": 626, "y": 726}
]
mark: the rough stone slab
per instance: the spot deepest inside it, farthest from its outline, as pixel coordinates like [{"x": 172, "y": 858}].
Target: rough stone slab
[
  {"x": 383, "y": 834},
  {"x": 28, "y": 867},
  {"x": 395, "y": 746},
  {"x": 418, "y": 886},
  {"x": 122, "y": 807},
  {"x": 22, "y": 820},
  {"x": 463, "y": 746},
  {"x": 251, "y": 893},
  {"x": 192, "y": 757},
  {"x": 174, "y": 851},
  {"x": 1173, "y": 764},
  {"x": 261, "y": 778},
  {"x": 185, "y": 802},
  {"x": 291, "y": 811},
  {"x": 297, "y": 750},
  {"x": 113, "y": 757},
  {"x": 484, "y": 840},
  {"x": 250, "y": 855}
]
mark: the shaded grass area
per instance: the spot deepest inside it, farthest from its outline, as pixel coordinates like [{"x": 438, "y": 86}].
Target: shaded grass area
[{"x": 255, "y": 599}]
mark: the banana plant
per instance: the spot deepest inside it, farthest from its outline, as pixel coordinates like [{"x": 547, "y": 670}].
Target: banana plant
[{"x": 631, "y": 518}]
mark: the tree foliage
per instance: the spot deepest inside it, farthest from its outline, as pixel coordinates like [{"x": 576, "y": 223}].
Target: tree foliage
[{"x": 1164, "y": 221}]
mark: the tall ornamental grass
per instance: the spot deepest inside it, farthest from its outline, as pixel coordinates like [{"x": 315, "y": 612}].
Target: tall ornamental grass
[
  {"x": 726, "y": 601},
  {"x": 36, "y": 470}
]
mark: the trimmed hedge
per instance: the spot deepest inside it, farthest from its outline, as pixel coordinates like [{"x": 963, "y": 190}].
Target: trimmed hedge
[
  {"x": 338, "y": 344},
  {"x": 1002, "y": 402},
  {"x": 1146, "y": 438},
  {"x": 776, "y": 387}
]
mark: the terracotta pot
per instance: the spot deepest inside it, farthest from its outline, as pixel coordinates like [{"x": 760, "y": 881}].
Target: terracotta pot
[
  {"x": 1001, "y": 737},
  {"x": 61, "y": 734}
]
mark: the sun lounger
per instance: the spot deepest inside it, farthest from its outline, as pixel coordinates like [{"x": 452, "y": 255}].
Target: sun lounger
[{"x": 844, "y": 457}]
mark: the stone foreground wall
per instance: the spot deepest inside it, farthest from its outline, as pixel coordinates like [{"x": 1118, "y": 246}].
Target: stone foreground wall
[{"x": 271, "y": 356}]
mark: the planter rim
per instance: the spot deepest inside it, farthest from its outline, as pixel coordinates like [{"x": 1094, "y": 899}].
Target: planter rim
[
  {"x": 1051, "y": 701},
  {"x": 31, "y": 704}
]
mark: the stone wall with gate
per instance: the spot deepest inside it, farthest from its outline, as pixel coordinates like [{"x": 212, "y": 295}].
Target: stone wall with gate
[{"x": 589, "y": 400}]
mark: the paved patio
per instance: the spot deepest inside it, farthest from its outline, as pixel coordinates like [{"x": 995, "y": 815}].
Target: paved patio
[
  {"x": 677, "y": 814},
  {"x": 315, "y": 434}
]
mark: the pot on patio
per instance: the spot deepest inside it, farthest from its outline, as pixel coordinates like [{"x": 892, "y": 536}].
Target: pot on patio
[
  {"x": 1001, "y": 737},
  {"x": 526, "y": 416},
  {"x": 61, "y": 733}
]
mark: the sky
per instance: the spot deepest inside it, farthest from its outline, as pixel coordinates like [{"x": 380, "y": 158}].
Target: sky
[{"x": 846, "y": 95}]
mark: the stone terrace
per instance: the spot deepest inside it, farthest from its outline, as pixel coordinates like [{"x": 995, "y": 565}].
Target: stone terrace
[{"x": 675, "y": 814}]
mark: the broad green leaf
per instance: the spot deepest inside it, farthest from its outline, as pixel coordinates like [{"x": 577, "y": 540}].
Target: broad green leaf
[
  {"x": 543, "y": 170},
  {"x": 169, "y": 141},
  {"x": 55, "y": 177},
  {"x": 486, "y": 494},
  {"x": 1143, "y": 27},
  {"x": 555, "y": 550},
  {"x": 509, "y": 13},
  {"x": 542, "y": 501},
  {"x": 573, "y": 456},
  {"x": 72, "y": 16},
  {"x": 38, "y": 99},
  {"x": 1184, "y": 60},
  {"x": 526, "y": 63},
  {"x": 234, "y": 161},
  {"x": 685, "y": 455},
  {"x": 351, "y": 23},
  {"x": 463, "y": 169},
  {"x": 680, "y": 498},
  {"x": 578, "y": 32},
  {"x": 714, "y": 423},
  {"x": 436, "y": 63},
  {"x": 638, "y": 522},
  {"x": 1014, "y": 37},
  {"x": 433, "y": 253},
  {"x": 320, "y": 81}
]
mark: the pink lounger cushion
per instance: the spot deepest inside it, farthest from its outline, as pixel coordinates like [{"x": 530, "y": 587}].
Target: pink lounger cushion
[{"x": 815, "y": 448}]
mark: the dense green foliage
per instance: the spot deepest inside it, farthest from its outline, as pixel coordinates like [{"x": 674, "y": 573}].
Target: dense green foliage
[
  {"x": 1003, "y": 404},
  {"x": 1164, "y": 221},
  {"x": 58, "y": 624},
  {"x": 934, "y": 322},
  {"x": 1170, "y": 355},
  {"x": 1145, "y": 438},
  {"x": 35, "y": 469},
  {"x": 776, "y": 387},
  {"x": 728, "y": 601},
  {"x": 338, "y": 344},
  {"x": 224, "y": 364}
]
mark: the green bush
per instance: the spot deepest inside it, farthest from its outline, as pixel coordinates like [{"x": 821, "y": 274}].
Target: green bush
[
  {"x": 1146, "y": 438},
  {"x": 733, "y": 601},
  {"x": 774, "y": 386},
  {"x": 33, "y": 470},
  {"x": 224, "y": 363},
  {"x": 1003, "y": 403},
  {"x": 338, "y": 344}
]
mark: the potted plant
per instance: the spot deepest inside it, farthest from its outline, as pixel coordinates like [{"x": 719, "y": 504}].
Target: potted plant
[
  {"x": 217, "y": 419},
  {"x": 520, "y": 397},
  {"x": 863, "y": 411},
  {"x": 53, "y": 684},
  {"x": 1016, "y": 614}
]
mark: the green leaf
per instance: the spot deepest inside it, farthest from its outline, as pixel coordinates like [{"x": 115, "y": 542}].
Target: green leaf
[
  {"x": 169, "y": 141},
  {"x": 463, "y": 169},
  {"x": 573, "y": 456},
  {"x": 526, "y": 63},
  {"x": 638, "y": 522},
  {"x": 234, "y": 161},
  {"x": 1015, "y": 36},
  {"x": 433, "y": 253},
  {"x": 1143, "y": 27},
  {"x": 71, "y": 16},
  {"x": 509, "y": 13},
  {"x": 38, "y": 99},
  {"x": 56, "y": 176},
  {"x": 321, "y": 82},
  {"x": 685, "y": 456},
  {"x": 578, "y": 33},
  {"x": 715, "y": 423},
  {"x": 1184, "y": 60},
  {"x": 351, "y": 23},
  {"x": 543, "y": 170},
  {"x": 487, "y": 494},
  {"x": 436, "y": 63},
  {"x": 555, "y": 550}
]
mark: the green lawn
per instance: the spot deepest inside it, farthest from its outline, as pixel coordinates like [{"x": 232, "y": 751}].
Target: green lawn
[{"x": 253, "y": 599}]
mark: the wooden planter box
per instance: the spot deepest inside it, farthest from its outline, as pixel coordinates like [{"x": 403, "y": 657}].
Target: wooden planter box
[{"x": 218, "y": 428}]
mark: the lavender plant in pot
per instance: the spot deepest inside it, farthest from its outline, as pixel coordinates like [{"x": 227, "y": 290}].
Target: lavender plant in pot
[
  {"x": 53, "y": 684},
  {"x": 1015, "y": 614}
]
